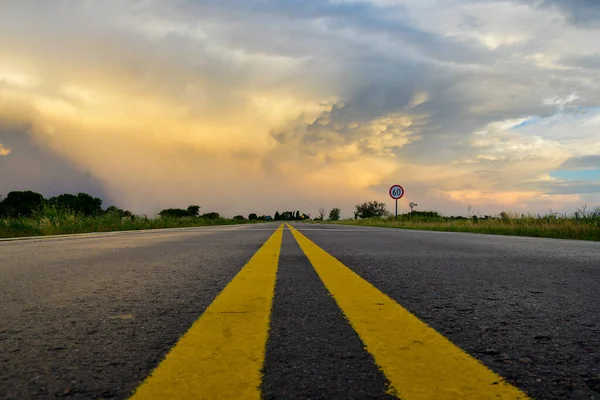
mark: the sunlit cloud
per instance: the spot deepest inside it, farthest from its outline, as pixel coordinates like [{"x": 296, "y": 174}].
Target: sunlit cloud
[
  {"x": 4, "y": 151},
  {"x": 251, "y": 106}
]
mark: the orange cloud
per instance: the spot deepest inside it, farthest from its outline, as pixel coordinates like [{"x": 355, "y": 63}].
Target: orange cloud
[
  {"x": 166, "y": 110},
  {"x": 4, "y": 151}
]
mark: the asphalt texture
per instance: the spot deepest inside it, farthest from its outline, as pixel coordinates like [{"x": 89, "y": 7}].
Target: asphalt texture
[
  {"x": 312, "y": 351},
  {"x": 91, "y": 316},
  {"x": 527, "y": 308}
]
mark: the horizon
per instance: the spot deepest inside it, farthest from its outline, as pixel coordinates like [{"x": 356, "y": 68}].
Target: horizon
[
  {"x": 471, "y": 212},
  {"x": 241, "y": 106}
]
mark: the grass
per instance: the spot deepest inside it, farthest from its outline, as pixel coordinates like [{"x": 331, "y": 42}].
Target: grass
[
  {"x": 51, "y": 221},
  {"x": 582, "y": 225},
  {"x": 579, "y": 227}
]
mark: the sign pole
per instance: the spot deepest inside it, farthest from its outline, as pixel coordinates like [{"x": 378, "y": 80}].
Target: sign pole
[{"x": 396, "y": 192}]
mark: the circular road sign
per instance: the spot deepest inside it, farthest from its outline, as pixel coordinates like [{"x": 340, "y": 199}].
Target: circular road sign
[{"x": 396, "y": 192}]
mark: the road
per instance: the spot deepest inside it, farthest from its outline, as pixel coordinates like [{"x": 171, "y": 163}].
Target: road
[{"x": 312, "y": 311}]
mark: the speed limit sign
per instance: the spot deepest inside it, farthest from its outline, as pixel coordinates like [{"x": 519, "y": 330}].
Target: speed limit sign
[{"x": 396, "y": 192}]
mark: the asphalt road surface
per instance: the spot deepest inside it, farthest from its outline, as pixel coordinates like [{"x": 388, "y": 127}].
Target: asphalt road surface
[{"x": 319, "y": 312}]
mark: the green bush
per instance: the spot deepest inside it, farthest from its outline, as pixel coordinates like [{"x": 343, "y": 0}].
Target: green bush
[
  {"x": 52, "y": 220},
  {"x": 583, "y": 226},
  {"x": 334, "y": 214}
]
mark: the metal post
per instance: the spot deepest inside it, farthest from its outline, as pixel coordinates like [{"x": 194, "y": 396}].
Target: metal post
[{"x": 396, "y": 209}]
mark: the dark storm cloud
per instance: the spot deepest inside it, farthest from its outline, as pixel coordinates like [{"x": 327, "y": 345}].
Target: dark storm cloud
[
  {"x": 573, "y": 187},
  {"x": 583, "y": 162},
  {"x": 585, "y": 13},
  {"x": 391, "y": 59},
  {"x": 340, "y": 32},
  {"x": 587, "y": 61},
  {"x": 30, "y": 167}
]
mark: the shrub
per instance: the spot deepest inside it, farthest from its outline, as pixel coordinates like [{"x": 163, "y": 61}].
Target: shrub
[
  {"x": 334, "y": 214},
  {"x": 21, "y": 204},
  {"x": 211, "y": 215},
  {"x": 370, "y": 210}
]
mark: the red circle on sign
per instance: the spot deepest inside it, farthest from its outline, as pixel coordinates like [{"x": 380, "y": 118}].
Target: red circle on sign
[{"x": 401, "y": 192}]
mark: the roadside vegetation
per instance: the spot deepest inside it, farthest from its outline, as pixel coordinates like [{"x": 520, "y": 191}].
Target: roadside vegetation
[
  {"x": 27, "y": 213},
  {"x": 52, "y": 221},
  {"x": 582, "y": 224}
]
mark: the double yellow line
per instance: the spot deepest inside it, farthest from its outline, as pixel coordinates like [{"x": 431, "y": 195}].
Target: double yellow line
[{"x": 222, "y": 354}]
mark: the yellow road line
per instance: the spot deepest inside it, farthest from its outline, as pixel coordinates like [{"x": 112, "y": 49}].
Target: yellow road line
[
  {"x": 222, "y": 354},
  {"x": 419, "y": 362}
]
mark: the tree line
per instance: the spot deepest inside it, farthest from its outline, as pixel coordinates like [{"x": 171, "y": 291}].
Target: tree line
[
  {"x": 371, "y": 209},
  {"x": 284, "y": 216},
  {"x": 25, "y": 203},
  {"x": 334, "y": 214},
  {"x": 192, "y": 211},
  {"x": 290, "y": 216}
]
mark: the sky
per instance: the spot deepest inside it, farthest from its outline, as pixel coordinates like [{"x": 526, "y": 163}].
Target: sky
[{"x": 240, "y": 106}]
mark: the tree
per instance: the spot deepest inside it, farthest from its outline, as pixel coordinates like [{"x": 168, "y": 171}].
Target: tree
[
  {"x": 370, "y": 210},
  {"x": 83, "y": 203},
  {"x": 211, "y": 215},
  {"x": 17, "y": 204},
  {"x": 119, "y": 212},
  {"x": 193, "y": 210},
  {"x": 239, "y": 218},
  {"x": 113, "y": 210},
  {"x": 322, "y": 212},
  {"x": 297, "y": 215},
  {"x": 89, "y": 205},
  {"x": 173, "y": 213},
  {"x": 253, "y": 217},
  {"x": 334, "y": 214},
  {"x": 277, "y": 216}
]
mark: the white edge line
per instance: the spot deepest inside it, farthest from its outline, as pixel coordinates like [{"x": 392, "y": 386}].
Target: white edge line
[{"x": 137, "y": 231}]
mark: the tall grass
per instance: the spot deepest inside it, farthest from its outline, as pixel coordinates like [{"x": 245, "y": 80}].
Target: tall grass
[
  {"x": 582, "y": 225},
  {"x": 54, "y": 221}
]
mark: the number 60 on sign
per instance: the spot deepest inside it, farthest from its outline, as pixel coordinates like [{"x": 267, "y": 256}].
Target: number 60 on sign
[{"x": 396, "y": 192}]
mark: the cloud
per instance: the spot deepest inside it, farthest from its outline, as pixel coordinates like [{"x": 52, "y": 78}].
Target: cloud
[
  {"x": 4, "y": 151},
  {"x": 246, "y": 106},
  {"x": 32, "y": 167},
  {"x": 572, "y": 188},
  {"x": 582, "y": 162},
  {"x": 579, "y": 12},
  {"x": 587, "y": 61}
]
